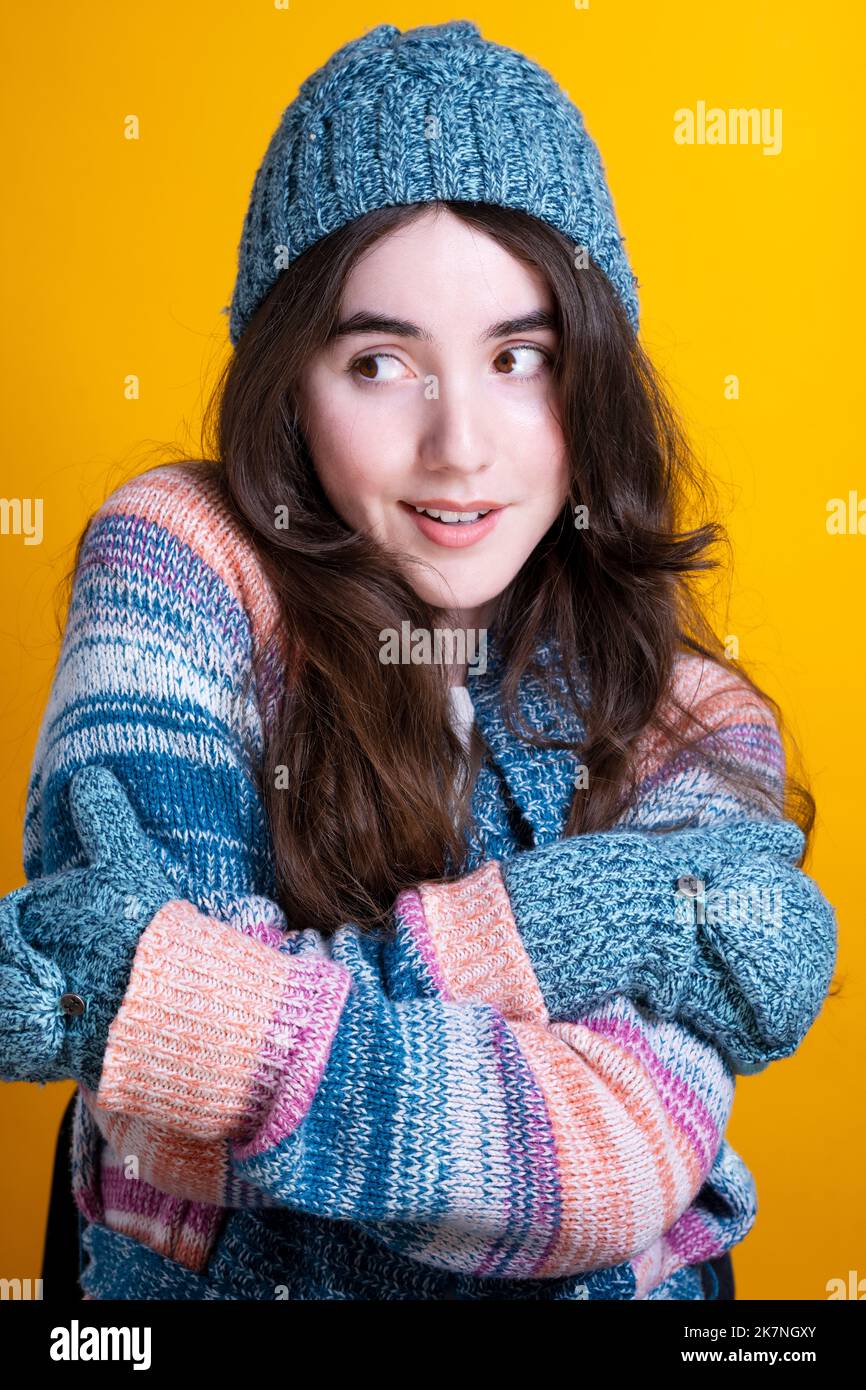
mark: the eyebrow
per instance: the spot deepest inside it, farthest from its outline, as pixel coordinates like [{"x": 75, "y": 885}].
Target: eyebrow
[{"x": 364, "y": 321}]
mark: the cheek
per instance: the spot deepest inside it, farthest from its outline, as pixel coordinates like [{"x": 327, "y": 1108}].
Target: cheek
[
  {"x": 550, "y": 471},
  {"x": 531, "y": 418},
  {"x": 540, "y": 452},
  {"x": 354, "y": 450},
  {"x": 351, "y": 484},
  {"x": 553, "y": 452}
]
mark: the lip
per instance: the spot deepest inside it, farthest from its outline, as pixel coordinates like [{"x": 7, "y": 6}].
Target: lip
[
  {"x": 447, "y": 504},
  {"x": 456, "y": 535}
]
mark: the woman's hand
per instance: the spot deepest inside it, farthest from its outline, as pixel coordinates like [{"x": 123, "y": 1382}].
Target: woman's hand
[{"x": 67, "y": 941}]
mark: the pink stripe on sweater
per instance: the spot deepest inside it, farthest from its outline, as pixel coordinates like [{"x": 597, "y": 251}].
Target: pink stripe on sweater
[
  {"x": 296, "y": 1050},
  {"x": 192, "y": 511},
  {"x": 470, "y": 939},
  {"x": 701, "y": 1128}
]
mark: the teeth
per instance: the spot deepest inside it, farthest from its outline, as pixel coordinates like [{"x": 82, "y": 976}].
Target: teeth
[{"x": 450, "y": 517}]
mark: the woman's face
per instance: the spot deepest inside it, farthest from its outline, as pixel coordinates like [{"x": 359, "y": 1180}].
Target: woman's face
[{"x": 433, "y": 392}]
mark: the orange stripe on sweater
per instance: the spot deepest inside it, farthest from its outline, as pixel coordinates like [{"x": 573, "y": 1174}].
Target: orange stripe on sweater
[
  {"x": 192, "y": 511},
  {"x": 185, "y": 1046},
  {"x": 478, "y": 946},
  {"x": 173, "y": 1162},
  {"x": 619, "y": 1153},
  {"x": 720, "y": 698},
  {"x": 600, "y": 1097}
]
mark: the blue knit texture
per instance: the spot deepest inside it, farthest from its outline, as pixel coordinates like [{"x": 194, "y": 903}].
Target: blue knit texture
[
  {"x": 76, "y": 932},
  {"x": 733, "y": 976},
  {"x": 432, "y": 113}
]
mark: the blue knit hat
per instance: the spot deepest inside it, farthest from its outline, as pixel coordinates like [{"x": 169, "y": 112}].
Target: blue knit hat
[{"x": 436, "y": 112}]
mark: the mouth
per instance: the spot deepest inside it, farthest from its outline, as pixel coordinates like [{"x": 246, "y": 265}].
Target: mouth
[{"x": 454, "y": 529}]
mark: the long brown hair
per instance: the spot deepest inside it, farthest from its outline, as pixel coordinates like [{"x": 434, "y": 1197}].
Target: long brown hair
[{"x": 360, "y": 769}]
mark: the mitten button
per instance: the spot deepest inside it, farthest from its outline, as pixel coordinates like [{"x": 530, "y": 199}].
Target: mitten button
[
  {"x": 72, "y": 1004},
  {"x": 690, "y": 885}
]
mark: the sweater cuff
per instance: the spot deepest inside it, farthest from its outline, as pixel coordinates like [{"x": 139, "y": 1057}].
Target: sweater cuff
[
  {"x": 468, "y": 938},
  {"x": 220, "y": 1036}
]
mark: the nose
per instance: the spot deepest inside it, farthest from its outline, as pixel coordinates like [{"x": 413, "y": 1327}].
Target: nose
[{"x": 458, "y": 433}]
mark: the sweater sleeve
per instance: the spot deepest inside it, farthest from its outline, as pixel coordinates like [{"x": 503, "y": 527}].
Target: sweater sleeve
[
  {"x": 152, "y": 681},
  {"x": 467, "y": 1130}
]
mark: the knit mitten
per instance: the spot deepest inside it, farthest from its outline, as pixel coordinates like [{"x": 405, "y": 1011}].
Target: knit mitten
[
  {"x": 620, "y": 912},
  {"x": 67, "y": 941}
]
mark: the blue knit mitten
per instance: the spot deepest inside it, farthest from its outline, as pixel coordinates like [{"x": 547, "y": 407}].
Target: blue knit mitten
[
  {"x": 67, "y": 941},
  {"x": 610, "y": 912}
]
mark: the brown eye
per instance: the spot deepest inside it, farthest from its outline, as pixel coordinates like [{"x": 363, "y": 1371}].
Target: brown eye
[
  {"x": 506, "y": 358},
  {"x": 367, "y": 367}
]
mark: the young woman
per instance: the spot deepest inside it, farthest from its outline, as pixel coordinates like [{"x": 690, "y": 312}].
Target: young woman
[{"x": 383, "y": 976}]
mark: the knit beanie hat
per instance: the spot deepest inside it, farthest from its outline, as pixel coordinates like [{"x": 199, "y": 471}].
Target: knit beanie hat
[{"x": 435, "y": 112}]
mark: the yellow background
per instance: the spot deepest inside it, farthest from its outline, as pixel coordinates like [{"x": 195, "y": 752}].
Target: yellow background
[{"x": 119, "y": 255}]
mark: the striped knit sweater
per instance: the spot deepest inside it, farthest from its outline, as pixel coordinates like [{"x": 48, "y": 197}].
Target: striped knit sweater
[{"x": 521, "y": 1092}]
